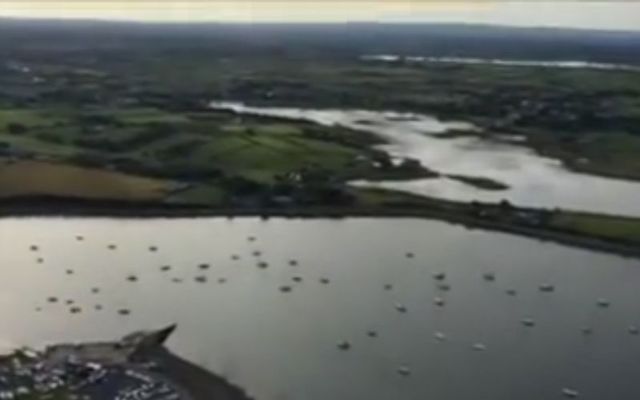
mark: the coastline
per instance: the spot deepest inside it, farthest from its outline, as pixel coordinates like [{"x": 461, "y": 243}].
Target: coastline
[
  {"x": 433, "y": 209},
  {"x": 529, "y": 142},
  {"x": 199, "y": 382},
  {"x": 137, "y": 364}
]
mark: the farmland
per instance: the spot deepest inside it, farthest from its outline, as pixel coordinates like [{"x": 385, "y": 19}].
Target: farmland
[
  {"x": 212, "y": 154},
  {"x": 133, "y": 125},
  {"x": 31, "y": 178}
]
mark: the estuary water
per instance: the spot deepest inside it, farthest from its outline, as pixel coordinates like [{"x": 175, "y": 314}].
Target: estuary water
[
  {"x": 430, "y": 310},
  {"x": 533, "y": 180}
]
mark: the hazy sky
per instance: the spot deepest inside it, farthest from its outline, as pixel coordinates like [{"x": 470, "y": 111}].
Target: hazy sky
[{"x": 581, "y": 14}]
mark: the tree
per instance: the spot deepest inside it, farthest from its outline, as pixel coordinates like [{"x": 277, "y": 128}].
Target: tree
[{"x": 15, "y": 128}]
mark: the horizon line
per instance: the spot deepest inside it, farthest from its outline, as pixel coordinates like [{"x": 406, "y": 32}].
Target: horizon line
[{"x": 302, "y": 22}]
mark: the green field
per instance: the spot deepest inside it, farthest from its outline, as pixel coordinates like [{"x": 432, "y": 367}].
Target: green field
[
  {"x": 139, "y": 130},
  {"x": 29, "y": 178},
  {"x": 609, "y": 227},
  {"x": 205, "y": 150}
]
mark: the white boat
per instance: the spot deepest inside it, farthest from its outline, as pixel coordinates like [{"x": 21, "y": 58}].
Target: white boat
[
  {"x": 570, "y": 393},
  {"x": 479, "y": 347},
  {"x": 439, "y": 336}
]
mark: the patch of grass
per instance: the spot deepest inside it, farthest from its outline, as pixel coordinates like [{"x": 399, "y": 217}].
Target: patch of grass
[
  {"x": 140, "y": 116},
  {"x": 38, "y": 178},
  {"x": 262, "y": 156},
  {"x": 24, "y": 116},
  {"x": 205, "y": 194},
  {"x": 612, "y": 154},
  {"x": 611, "y": 227}
]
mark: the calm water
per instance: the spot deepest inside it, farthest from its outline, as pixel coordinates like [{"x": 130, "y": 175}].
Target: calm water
[
  {"x": 283, "y": 345},
  {"x": 570, "y": 64},
  {"x": 534, "y": 180}
]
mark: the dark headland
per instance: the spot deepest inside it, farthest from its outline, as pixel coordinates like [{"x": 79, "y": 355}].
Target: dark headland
[{"x": 137, "y": 366}]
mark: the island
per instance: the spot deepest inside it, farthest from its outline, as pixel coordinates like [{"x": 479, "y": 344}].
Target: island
[{"x": 138, "y": 367}]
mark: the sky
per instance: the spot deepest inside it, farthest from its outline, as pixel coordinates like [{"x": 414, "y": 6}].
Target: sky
[{"x": 611, "y": 15}]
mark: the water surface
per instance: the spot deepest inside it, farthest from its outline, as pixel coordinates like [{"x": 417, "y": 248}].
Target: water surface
[
  {"x": 534, "y": 180},
  {"x": 283, "y": 345},
  {"x": 564, "y": 64}
]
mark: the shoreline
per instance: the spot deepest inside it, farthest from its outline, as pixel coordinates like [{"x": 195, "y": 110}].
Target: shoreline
[
  {"x": 437, "y": 210},
  {"x": 137, "y": 363},
  {"x": 570, "y": 164}
]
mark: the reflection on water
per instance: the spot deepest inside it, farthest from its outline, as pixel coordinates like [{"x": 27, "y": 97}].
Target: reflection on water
[
  {"x": 533, "y": 180},
  {"x": 352, "y": 276},
  {"x": 574, "y": 64}
]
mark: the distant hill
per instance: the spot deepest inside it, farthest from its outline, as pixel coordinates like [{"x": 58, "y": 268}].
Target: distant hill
[{"x": 328, "y": 40}]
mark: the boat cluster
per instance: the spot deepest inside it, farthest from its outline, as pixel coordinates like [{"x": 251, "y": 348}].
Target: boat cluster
[
  {"x": 440, "y": 279},
  {"x": 443, "y": 286}
]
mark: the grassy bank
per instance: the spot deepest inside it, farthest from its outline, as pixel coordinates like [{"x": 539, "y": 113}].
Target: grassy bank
[
  {"x": 33, "y": 178},
  {"x": 98, "y": 138},
  {"x": 617, "y": 235}
]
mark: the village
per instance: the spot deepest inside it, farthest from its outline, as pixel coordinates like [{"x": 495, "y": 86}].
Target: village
[{"x": 128, "y": 369}]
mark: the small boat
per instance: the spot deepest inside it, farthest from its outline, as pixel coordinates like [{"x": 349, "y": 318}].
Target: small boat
[
  {"x": 204, "y": 266},
  {"x": 324, "y": 281},
  {"x": 222, "y": 281},
  {"x": 388, "y": 286},
  {"x": 401, "y": 308},
  {"x": 372, "y": 333},
  {"x": 528, "y": 322},
  {"x": 344, "y": 345},
  {"x": 201, "y": 279},
  {"x": 439, "y": 276},
  {"x": 440, "y": 337},
  {"x": 479, "y": 347},
  {"x": 439, "y": 301},
  {"x": 511, "y": 292},
  {"x": 546, "y": 287},
  {"x": 263, "y": 264},
  {"x": 132, "y": 278},
  {"x": 603, "y": 303},
  {"x": 153, "y": 249},
  {"x": 489, "y": 276},
  {"x": 570, "y": 393},
  {"x": 587, "y": 331},
  {"x": 293, "y": 263},
  {"x": 410, "y": 255},
  {"x": 404, "y": 371},
  {"x": 124, "y": 311},
  {"x": 285, "y": 289},
  {"x": 297, "y": 279},
  {"x": 634, "y": 330},
  {"x": 165, "y": 268}
]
